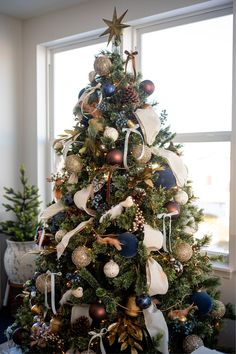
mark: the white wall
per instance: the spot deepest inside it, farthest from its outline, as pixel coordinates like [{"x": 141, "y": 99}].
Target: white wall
[{"x": 11, "y": 102}]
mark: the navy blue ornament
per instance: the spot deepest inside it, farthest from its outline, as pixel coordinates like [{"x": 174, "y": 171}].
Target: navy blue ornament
[
  {"x": 203, "y": 301},
  {"x": 129, "y": 244},
  {"x": 55, "y": 221},
  {"x": 108, "y": 89},
  {"x": 81, "y": 93},
  {"x": 164, "y": 178},
  {"x": 143, "y": 301},
  {"x": 67, "y": 199},
  {"x": 147, "y": 86}
]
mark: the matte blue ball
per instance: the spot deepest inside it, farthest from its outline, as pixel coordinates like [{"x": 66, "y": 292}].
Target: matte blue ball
[
  {"x": 129, "y": 244},
  {"x": 164, "y": 178},
  {"x": 108, "y": 89},
  {"x": 203, "y": 301},
  {"x": 143, "y": 301},
  {"x": 68, "y": 199}
]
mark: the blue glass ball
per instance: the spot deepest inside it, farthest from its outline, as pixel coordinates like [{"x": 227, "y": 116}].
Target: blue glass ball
[
  {"x": 143, "y": 301},
  {"x": 203, "y": 301},
  {"x": 129, "y": 244},
  {"x": 164, "y": 178},
  {"x": 108, "y": 89},
  {"x": 81, "y": 93}
]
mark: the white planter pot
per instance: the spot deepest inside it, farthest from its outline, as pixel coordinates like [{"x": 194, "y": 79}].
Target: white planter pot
[{"x": 19, "y": 263}]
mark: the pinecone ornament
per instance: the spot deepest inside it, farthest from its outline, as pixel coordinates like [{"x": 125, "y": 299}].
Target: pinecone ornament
[
  {"x": 81, "y": 326},
  {"x": 128, "y": 95}
]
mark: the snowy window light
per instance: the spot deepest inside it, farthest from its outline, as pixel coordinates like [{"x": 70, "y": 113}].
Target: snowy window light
[{"x": 191, "y": 66}]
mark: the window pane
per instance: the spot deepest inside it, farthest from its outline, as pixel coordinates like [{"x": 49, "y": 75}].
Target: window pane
[
  {"x": 191, "y": 66},
  {"x": 208, "y": 165},
  {"x": 71, "y": 70}
]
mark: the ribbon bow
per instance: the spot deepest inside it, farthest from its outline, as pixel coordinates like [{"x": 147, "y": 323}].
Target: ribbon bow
[
  {"x": 164, "y": 216},
  {"x": 128, "y": 132},
  {"x": 131, "y": 56},
  {"x": 86, "y": 94},
  {"x": 52, "y": 276},
  {"x": 99, "y": 335}
]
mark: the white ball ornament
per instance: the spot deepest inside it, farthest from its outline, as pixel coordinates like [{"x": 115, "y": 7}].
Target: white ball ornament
[
  {"x": 181, "y": 197},
  {"x": 111, "y": 133},
  {"x": 111, "y": 269}
]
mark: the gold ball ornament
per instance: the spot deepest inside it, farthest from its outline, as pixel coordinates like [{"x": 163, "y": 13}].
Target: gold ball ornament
[
  {"x": 73, "y": 164},
  {"x": 43, "y": 282},
  {"x": 131, "y": 307},
  {"x": 111, "y": 133},
  {"x": 102, "y": 65},
  {"x": 59, "y": 235},
  {"x": 111, "y": 269},
  {"x": 136, "y": 152},
  {"x": 58, "y": 145},
  {"x": 218, "y": 309},
  {"x": 181, "y": 197},
  {"x": 183, "y": 251},
  {"x": 81, "y": 257},
  {"x": 192, "y": 343},
  {"x": 55, "y": 324},
  {"x": 90, "y": 351},
  {"x": 37, "y": 310}
]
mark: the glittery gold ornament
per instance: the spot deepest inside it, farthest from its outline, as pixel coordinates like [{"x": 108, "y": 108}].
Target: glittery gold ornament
[
  {"x": 55, "y": 324},
  {"x": 81, "y": 256},
  {"x": 136, "y": 152},
  {"x": 131, "y": 307},
  {"x": 73, "y": 164},
  {"x": 57, "y": 145},
  {"x": 43, "y": 282},
  {"x": 37, "y": 310},
  {"x": 59, "y": 235},
  {"x": 218, "y": 309},
  {"x": 192, "y": 343},
  {"x": 111, "y": 133},
  {"x": 183, "y": 251},
  {"x": 102, "y": 65},
  {"x": 89, "y": 351}
]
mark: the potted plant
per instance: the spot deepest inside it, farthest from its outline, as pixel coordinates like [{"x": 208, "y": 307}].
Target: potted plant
[{"x": 24, "y": 207}]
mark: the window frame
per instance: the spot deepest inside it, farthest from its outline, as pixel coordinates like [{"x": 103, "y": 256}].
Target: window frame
[
  {"x": 131, "y": 40},
  {"x": 212, "y": 136}
]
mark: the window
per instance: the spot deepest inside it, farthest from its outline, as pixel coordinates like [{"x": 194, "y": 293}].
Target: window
[{"x": 190, "y": 64}]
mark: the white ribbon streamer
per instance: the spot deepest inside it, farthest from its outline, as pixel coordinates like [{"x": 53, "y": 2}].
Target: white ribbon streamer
[
  {"x": 157, "y": 281},
  {"x": 52, "y": 277},
  {"x": 98, "y": 335},
  {"x": 52, "y": 210},
  {"x": 81, "y": 198},
  {"x": 153, "y": 238},
  {"x": 128, "y": 132},
  {"x": 176, "y": 164},
  {"x": 156, "y": 324},
  {"x": 65, "y": 240},
  {"x": 78, "y": 311},
  {"x": 149, "y": 122},
  {"x": 164, "y": 216}
]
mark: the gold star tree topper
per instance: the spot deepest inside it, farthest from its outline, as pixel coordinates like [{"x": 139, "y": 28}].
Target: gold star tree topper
[{"x": 115, "y": 27}]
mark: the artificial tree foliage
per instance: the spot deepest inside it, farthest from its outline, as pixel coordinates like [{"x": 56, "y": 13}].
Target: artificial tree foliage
[{"x": 92, "y": 286}]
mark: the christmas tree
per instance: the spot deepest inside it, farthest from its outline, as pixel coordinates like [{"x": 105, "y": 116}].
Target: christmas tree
[{"x": 119, "y": 269}]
